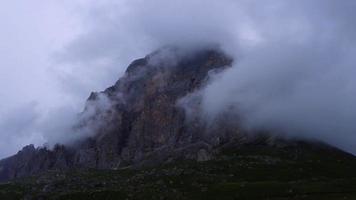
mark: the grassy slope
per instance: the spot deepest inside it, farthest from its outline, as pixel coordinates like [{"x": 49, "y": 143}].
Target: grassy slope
[{"x": 251, "y": 172}]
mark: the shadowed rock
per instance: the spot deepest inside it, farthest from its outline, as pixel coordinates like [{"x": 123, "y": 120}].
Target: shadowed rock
[{"x": 135, "y": 121}]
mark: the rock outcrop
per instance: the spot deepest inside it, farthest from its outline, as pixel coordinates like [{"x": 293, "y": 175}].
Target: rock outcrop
[{"x": 138, "y": 121}]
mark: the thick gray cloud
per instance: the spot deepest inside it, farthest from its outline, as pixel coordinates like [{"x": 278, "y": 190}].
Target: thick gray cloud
[
  {"x": 299, "y": 79},
  {"x": 293, "y": 70},
  {"x": 294, "y": 60}
]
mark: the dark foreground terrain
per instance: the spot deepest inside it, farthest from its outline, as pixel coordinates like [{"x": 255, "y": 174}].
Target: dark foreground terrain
[{"x": 253, "y": 171}]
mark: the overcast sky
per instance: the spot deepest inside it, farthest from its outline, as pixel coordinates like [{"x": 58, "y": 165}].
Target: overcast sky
[
  {"x": 32, "y": 32},
  {"x": 51, "y": 58},
  {"x": 294, "y": 59}
]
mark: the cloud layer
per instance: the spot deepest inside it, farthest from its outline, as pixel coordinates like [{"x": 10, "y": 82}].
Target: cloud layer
[{"x": 294, "y": 61}]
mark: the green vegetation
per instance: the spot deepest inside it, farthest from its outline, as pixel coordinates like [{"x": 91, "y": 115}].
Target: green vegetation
[{"x": 250, "y": 172}]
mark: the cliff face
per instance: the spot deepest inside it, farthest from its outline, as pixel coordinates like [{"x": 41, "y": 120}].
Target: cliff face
[{"x": 137, "y": 121}]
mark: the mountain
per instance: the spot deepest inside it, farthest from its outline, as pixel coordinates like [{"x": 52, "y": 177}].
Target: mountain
[
  {"x": 145, "y": 133},
  {"x": 135, "y": 122}
]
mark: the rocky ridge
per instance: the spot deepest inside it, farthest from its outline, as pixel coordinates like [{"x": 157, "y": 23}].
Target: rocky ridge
[{"x": 137, "y": 121}]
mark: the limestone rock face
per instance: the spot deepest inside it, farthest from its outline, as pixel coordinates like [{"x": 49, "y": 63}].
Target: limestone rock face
[{"x": 137, "y": 121}]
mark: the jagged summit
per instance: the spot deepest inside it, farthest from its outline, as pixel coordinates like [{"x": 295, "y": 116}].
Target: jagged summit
[{"x": 133, "y": 119}]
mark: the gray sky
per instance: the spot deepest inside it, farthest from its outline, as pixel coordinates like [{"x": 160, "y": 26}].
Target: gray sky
[
  {"x": 31, "y": 31},
  {"x": 50, "y": 61},
  {"x": 294, "y": 66}
]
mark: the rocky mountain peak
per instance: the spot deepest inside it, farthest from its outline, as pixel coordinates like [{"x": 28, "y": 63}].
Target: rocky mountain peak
[{"x": 134, "y": 122}]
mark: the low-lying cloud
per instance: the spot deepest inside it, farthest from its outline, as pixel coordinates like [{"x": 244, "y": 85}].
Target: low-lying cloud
[{"x": 294, "y": 60}]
